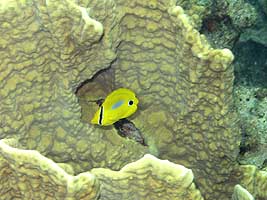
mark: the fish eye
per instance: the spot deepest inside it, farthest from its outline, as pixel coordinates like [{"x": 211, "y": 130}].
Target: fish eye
[{"x": 130, "y": 103}]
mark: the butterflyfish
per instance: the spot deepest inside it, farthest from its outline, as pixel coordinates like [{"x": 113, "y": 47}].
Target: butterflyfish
[{"x": 119, "y": 104}]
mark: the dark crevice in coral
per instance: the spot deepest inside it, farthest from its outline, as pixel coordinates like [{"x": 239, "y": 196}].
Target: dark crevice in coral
[
  {"x": 220, "y": 31},
  {"x": 264, "y": 165},
  {"x": 245, "y": 145},
  {"x": 212, "y": 23},
  {"x": 250, "y": 64},
  {"x": 107, "y": 71},
  {"x": 90, "y": 91},
  {"x": 91, "y": 79}
]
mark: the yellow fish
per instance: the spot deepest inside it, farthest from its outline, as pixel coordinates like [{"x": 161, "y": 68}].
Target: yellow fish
[{"x": 119, "y": 104}]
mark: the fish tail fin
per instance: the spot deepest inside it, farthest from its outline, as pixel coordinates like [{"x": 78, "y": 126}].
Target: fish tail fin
[{"x": 95, "y": 119}]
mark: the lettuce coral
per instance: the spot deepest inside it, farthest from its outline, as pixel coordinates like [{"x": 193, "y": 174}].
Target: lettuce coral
[
  {"x": 26, "y": 174},
  {"x": 148, "y": 178},
  {"x": 48, "y": 50},
  {"x": 241, "y": 193},
  {"x": 254, "y": 180}
]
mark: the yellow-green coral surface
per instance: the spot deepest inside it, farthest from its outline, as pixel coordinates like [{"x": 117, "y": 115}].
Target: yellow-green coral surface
[
  {"x": 148, "y": 178},
  {"x": 26, "y": 174},
  {"x": 48, "y": 48},
  {"x": 241, "y": 193},
  {"x": 254, "y": 180}
]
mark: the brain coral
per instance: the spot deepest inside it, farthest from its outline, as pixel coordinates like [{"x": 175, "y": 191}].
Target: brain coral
[{"x": 49, "y": 48}]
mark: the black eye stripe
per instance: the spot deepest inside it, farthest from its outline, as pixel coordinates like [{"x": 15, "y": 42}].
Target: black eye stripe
[{"x": 101, "y": 115}]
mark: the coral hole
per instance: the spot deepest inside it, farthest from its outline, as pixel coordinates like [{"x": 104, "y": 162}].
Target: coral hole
[{"x": 93, "y": 89}]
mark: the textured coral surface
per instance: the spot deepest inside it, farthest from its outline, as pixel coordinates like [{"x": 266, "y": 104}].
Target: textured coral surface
[
  {"x": 252, "y": 104},
  {"x": 227, "y": 20},
  {"x": 254, "y": 180},
  {"x": 26, "y": 174},
  {"x": 48, "y": 48},
  {"x": 184, "y": 87},
  {"x": 241, "y": 193},
  {"x": 148, "y": 178}
]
